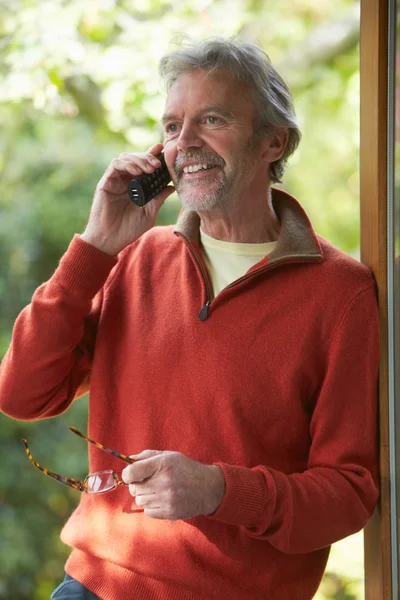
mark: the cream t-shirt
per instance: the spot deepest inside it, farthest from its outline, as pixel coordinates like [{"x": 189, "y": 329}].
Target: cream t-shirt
[{"x": 228, "y": 261}]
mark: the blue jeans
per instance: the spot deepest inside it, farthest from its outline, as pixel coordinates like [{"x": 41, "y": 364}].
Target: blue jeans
[{"x": 70, "y": 589}]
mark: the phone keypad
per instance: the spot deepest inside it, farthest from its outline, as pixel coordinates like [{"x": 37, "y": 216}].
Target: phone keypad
[{"x": 145, "y": 187}]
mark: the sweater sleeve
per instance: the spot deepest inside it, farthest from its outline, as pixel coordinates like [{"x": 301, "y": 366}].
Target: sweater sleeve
[
  {"x": 49, "y": 359},
  {"x": 337, "y": 493}
]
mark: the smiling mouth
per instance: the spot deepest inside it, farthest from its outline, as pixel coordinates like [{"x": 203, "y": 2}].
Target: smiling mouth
[{"x": 191, "y": 169}]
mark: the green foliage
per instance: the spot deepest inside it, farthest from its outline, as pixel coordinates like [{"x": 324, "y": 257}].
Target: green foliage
[
  {"x": 33, "y": 507},
  {"x": 339, "y": 588},
  {"x": 79, "y": 85}
]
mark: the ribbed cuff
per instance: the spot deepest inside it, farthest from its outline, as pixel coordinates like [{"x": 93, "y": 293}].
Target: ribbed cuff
[
  {"x": 83, "y": 267},
  {"x": 247, "y": 502}
]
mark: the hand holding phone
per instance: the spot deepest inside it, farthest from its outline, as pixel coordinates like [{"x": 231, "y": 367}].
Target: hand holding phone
[
  {"x": 145, "y": 187},
  {"x": 115, "y": 220}
]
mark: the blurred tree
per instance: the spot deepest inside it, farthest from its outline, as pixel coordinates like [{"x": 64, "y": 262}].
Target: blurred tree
[{"x": 78, "y": 85}]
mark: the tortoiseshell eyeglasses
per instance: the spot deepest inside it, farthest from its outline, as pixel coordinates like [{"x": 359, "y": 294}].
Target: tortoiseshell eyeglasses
[{"x": 94, "y": 483}]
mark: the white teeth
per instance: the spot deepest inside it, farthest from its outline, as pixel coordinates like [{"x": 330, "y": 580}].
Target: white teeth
[{"x": 194, "y": 168}]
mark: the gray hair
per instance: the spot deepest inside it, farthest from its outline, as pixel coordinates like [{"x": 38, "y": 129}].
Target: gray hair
[{"x": 251, "y": 66}]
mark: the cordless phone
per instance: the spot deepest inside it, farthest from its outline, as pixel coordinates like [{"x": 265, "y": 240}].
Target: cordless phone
[{"x": 143, "y": 188}]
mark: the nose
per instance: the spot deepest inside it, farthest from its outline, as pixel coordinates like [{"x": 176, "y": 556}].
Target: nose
[{"x": 189, "y": 137}]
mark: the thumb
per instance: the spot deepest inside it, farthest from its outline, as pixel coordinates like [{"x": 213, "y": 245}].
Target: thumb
[
  {"x": 145, "y": 454},
  {"x": 145, "y": 465}
]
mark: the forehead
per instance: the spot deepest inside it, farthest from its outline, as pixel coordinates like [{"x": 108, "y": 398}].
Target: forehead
[{"x": 196, "y": 90}]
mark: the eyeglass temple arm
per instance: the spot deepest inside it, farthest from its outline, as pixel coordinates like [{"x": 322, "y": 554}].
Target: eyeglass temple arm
[
  {"x": 75, "y": 483},
  {"x": 123, "y": 457}
]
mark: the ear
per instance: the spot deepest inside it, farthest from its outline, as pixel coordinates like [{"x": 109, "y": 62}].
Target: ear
[{"x": 275, "y": 144}]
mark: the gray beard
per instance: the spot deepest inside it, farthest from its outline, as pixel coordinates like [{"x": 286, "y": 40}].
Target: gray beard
[{"x": 192, "y": 198}]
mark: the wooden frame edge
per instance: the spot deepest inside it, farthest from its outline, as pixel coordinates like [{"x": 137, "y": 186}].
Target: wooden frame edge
[{"x": 373, "y": 216}]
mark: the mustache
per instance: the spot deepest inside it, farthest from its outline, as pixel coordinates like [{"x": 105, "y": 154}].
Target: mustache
[{"x": 200, "y": 156}]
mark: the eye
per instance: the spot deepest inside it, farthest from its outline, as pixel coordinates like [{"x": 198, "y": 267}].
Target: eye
[
  {"x": 212, "y": 120},
  {"x": 171, "y": 128}
]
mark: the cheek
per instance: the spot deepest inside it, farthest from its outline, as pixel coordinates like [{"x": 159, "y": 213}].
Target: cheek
[{"x": 170, "y": 154}]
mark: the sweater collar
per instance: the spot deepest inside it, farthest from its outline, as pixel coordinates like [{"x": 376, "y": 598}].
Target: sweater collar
[{"x": 297, "y": 239}]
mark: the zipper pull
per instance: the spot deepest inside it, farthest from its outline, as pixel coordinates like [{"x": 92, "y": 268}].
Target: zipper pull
[{"x": 203, "y": 314}]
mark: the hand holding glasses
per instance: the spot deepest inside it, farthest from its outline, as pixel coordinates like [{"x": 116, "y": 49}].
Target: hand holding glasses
[{"x": 94, "y": 483}]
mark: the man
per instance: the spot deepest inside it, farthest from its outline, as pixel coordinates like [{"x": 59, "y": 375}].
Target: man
[{"x": 235, "y": 358}]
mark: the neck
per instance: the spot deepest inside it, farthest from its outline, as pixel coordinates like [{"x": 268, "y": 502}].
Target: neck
[{"x": 253, "y": 221}]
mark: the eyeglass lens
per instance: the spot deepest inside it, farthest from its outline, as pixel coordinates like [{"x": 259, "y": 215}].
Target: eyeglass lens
[{"x": 102, "y": 481}]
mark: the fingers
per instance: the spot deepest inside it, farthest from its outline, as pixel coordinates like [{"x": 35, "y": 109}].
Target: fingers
[
  {"x": 144, "y": 160},
  {"x": 145, "y": 467},
  {"x": 151, "y": 506},
  {"x": 135, "y": 163},
  {"x": 155, "y": 149},
  {"x": 156, "y": 513},
  {"x": 141, "y": 489},
  {"x": 169, "y": 485},
  {"x": 150, "y": 502},
  {"x": 147, "y": 501}
]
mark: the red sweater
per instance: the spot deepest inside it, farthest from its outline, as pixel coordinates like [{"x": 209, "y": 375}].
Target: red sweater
[{"x": 278, "y": 385}]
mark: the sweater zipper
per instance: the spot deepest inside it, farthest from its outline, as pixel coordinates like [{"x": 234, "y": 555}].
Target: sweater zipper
[
  {"x": 203, "y": 314},
  {"x": 204, "y": 311}
]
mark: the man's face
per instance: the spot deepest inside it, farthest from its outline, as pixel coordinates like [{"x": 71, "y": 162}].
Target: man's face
[{"x": 210, "y": 146}]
